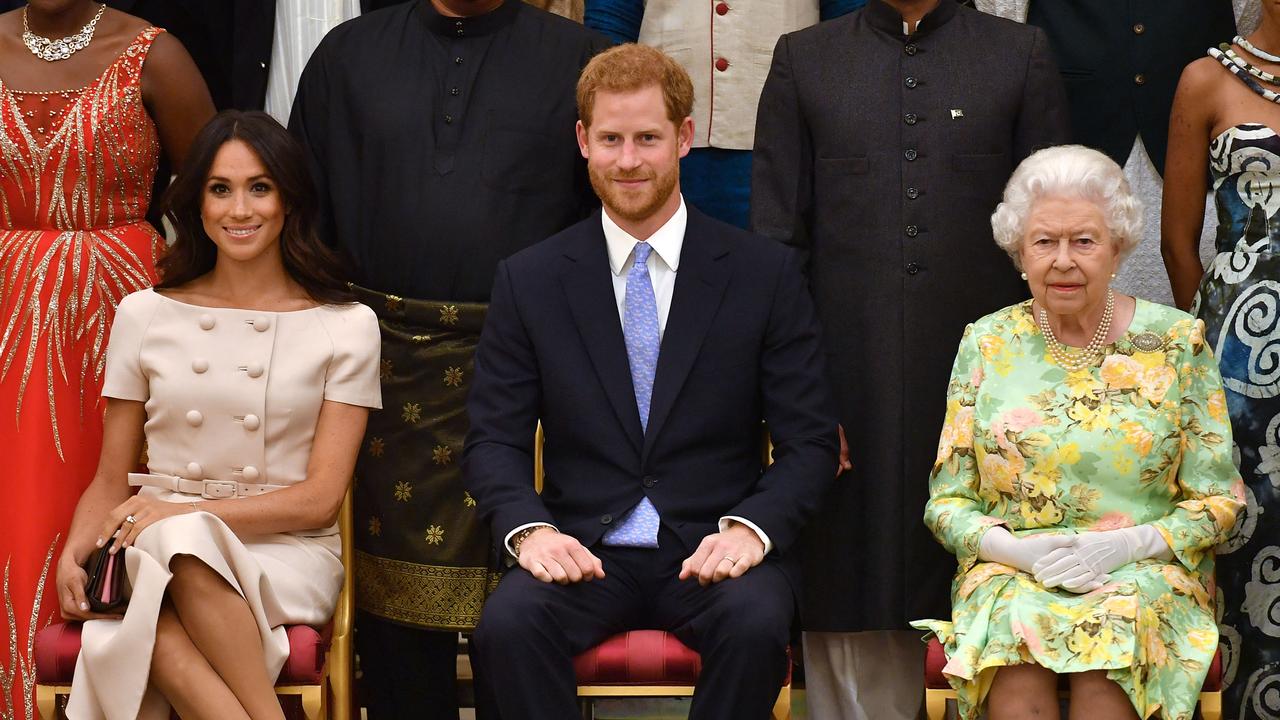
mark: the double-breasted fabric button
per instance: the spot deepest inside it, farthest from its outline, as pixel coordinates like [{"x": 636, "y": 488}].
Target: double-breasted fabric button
[
  {"x": 649, "y": 481},
  {"x": 722, "y": 8},
  {"x": 911, "y": 118},
  {"x": 912, "y": 231},
  {"x": 199, "y": 366},
  {"x": 262, "y": 323},
  {"x": 606, "y": 519},
  {"x": 722, "y": 64},
  {"x": 206, "y": 321},
  {"x": 910, "y": 154},
  {"x": 253, "y": 369},
  {"x": 912, "y": 193},
  {"x": 250, "y": 473},
  {"x": 194, "y": 418},
  {"x": 251, "y": 422},
  {"x": 911, "y": 82},
  {"x": 194, "y": 471},
  {"x": 912, "y": 268},
  {"x": 910, "y": 49}
]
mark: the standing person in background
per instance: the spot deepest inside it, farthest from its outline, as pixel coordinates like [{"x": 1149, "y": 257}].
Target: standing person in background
[
  {"x": 1223, "y": 138},
  {"x": 80, "y": 131},
  {"x": 441, "y": 135},
  {"x": 883, "y": 141},
  {"x": 724, "y": 50}
]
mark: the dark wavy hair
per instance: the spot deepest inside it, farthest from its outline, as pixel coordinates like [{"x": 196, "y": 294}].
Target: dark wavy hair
[{"x": 317, "y": 267}]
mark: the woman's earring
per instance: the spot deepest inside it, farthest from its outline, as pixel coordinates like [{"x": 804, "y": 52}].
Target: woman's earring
[
  {"x": 1113, "y": 276},
  {"x": 1024, "y": 276}
]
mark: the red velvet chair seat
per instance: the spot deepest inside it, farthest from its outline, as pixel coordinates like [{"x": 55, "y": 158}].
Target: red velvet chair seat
[
  {"x": 57, "y": 647},
  {"x": 936, "y": 659},
  {"x": 639, "y": 657}
]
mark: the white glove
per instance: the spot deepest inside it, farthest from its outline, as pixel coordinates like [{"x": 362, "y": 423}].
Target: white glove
[
  {"x": 1087, "y": 564},
  {"x": 999, "y": 545}
]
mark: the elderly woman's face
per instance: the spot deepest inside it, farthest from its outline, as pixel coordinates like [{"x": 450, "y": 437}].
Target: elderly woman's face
[{"x": 1068, "y": 255}]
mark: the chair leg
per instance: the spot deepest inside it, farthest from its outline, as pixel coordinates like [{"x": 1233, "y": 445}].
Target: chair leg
[
  {"x": 935, "y": 704},
  {"x": 588, "y": 708},
  {"x": 782, "y": 707},
  {"x": 312, "y": 702},
  {"x": 47, "y": 702},
  {"x": 1211, "y": 705}
]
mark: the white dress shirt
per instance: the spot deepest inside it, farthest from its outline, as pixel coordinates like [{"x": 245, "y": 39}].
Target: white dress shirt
[{"x": 663, "y": 264}]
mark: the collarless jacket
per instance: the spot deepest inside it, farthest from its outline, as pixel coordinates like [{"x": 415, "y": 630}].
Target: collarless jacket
[{"x": 883, "y": 156}]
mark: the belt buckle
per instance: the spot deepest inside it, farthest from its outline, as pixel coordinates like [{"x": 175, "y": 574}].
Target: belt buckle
[{"x": 218, "y": 489}]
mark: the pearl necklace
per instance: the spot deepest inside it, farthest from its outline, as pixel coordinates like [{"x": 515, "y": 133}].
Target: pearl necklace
[
  {"x": 1073, "y": 360},
  {"x": 52, "y": 50}
]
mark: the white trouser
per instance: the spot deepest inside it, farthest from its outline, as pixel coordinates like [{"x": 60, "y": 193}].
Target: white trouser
[{"x": 864, "y": 676}]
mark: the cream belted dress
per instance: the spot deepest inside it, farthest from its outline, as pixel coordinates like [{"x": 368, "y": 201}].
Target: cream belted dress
[{"x": 232, "y": 396}]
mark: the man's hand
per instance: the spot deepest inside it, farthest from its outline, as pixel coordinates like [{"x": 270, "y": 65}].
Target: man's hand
[
  {"x": 844, "y": 465},
  {"x": 555, "y": 557},
  {"x": 721, "y": 555}
]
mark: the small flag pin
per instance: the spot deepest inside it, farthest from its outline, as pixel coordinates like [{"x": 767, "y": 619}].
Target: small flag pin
[{"x": 956, "y": 113}]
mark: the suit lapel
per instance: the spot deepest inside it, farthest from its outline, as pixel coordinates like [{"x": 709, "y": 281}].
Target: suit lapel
[
  {"x": 700, "y": 285},
  {"x": 589, "y": 290}
]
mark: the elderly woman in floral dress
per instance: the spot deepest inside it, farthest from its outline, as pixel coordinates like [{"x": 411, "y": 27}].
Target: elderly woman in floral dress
[{"x": 1084, "y": 472}]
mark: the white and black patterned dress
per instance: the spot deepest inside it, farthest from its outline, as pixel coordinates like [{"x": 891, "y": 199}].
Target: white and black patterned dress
[{"x": 1239, "y": 300}]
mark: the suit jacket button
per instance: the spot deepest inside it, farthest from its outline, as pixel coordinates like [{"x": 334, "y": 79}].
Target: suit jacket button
[
  {"x": 606, "y": 519},
  {"x": 649, "y": 481}
]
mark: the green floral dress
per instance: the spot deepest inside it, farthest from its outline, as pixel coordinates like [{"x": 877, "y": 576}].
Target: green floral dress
[{"x": 1141, "y": 438}]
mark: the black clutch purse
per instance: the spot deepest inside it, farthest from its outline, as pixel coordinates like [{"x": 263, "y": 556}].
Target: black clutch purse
[{"x": 105, "y": 588}]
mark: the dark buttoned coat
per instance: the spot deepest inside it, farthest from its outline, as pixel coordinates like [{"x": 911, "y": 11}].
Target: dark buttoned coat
[{"x": 883, "y": 156}]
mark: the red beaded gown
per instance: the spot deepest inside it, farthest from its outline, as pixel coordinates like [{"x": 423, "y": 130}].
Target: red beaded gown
[{"x": 76, "y": 168}]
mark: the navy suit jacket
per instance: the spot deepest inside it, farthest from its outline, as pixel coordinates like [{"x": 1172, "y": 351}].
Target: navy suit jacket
[{"x": 741, "y": 346}]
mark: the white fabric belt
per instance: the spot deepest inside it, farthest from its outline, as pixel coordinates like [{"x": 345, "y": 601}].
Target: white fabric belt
[{"x": 211, "y": 489}]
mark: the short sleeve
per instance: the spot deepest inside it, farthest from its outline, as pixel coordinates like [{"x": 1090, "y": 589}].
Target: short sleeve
[
  {"x": 352, "y": 377},
  {"x": 124, "y": 378}
]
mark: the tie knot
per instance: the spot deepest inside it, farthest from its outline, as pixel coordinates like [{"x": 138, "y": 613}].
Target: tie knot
[{"x": 642, "y": 253}]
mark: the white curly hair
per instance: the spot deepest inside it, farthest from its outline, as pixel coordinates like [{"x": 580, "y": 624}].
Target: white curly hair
[{"x": 1068, "y": 171}]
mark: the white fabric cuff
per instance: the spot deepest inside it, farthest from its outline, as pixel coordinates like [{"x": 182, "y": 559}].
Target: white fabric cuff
[
  {"x": 506, "y": 542},
  {"x": 724, "y": 525}
]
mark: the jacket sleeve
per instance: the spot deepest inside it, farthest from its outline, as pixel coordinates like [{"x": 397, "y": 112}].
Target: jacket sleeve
[
  {"x": 1208, "y": 487},
  {"x": 618, "y": 19},
  {"x": 503, "y": 408},
  {"x": 782, "y": 160},
  {"x": 955, "y": 514},
  {"x": 1044, "y": 119},
  {"x": 799, "y": 413}
]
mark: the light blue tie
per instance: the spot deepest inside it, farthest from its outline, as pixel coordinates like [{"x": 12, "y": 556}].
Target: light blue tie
[{"x": 640, "y": 329}]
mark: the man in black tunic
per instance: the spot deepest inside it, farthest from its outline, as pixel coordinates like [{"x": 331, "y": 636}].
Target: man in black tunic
[
  {"x": 442, "y": 134},
  {"x": 883, "y": 141}
]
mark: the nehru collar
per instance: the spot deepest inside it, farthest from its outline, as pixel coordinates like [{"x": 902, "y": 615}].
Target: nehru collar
[
  {"x": 883, "y": 17},
  {"x": 465, "y": 27}
]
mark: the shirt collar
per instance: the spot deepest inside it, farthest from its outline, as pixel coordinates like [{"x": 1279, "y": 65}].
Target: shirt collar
[
  {"x": 884, "y": 17},
  {"x": 666, "y": 242},
  {"x": 465, "y": 27}
]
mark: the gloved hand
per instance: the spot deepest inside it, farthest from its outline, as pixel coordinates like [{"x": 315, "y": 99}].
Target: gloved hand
[
  {"x": 999, "y": 545},
  {"x": 1096, "y": 554}
]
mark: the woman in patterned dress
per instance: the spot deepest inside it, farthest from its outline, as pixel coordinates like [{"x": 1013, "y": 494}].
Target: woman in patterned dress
[
  {"x": 79, "y": 139},
  {"x": 1223, "y": 139},
  {"x": 1084, "y": 472}
]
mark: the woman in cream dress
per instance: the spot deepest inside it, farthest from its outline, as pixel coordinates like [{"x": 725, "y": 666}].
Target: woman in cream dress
[{"x": 250, "y": 378}]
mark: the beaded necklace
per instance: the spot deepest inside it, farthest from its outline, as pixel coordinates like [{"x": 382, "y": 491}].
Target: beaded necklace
[{"x": 1073, "y": 360}]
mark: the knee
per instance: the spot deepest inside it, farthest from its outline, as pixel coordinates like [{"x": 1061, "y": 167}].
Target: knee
[
  {"x": 191, "y": 571},
  {"x": 513, "y": 617},
  {"x": 754, "y": 623},
  {"x": 1090, "y": 682},
  {"x": 1028, "y": 686},
  {"x": 171, "y": 652}
]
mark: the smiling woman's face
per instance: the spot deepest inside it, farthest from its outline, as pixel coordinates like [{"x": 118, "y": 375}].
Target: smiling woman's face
[
  {"x": 1068, "y": 255},
  {"x": 242, "y": 210}
]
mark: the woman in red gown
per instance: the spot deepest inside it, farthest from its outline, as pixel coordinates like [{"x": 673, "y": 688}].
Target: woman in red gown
[{"x": 81, "y": 127}]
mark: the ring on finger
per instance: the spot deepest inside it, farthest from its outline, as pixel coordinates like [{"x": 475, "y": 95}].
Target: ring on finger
[
  {"x": 732, "y": 560},
  {"x": 130, "y": 519}
]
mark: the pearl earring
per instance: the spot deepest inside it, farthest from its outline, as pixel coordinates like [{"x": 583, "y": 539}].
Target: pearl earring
[
  {"x": 1024, "y": 276},
  {"x": 1113, "y": 276}
]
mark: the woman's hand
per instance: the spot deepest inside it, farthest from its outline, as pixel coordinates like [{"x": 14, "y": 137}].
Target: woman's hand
[
  {"x": 131, "y": 517},
  {"x": 70, "y": 581}
]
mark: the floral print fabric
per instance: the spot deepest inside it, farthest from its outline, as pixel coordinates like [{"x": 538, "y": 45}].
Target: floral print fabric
[{"x": 1143, "y": 438}]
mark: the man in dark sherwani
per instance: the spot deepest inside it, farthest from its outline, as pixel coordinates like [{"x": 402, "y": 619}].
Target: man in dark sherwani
[
  {"x": 883, "y": 141},
  {"x": 441, "y": 135}
]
